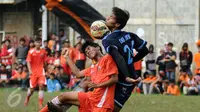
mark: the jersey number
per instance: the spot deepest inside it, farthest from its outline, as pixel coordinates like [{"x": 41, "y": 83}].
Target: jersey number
[{"x": 129, "y": 50}]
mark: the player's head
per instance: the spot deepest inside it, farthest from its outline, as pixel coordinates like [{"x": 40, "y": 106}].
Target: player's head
[
  {"x": 38, "y": 42},
  {"x": 118, "y": 19},
  {"x": 91, "y": 50}
]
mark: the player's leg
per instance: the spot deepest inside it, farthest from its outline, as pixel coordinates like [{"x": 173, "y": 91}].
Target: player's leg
[
  {"x": 122, "y": 93},
  {"x": 41, "y": 82},
  {"x": 63, "y": 98},
  {"x": 33, "y": 84}
]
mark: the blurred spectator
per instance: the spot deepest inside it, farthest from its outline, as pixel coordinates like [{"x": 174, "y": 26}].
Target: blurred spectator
[
  {"x": 57, "y": 59},
  {"x": 172, "y": 89},
  {"x": 161, "y": 64},
  {"x": 51, "y": 58},
  {"x": 197, "y": 59},
  {"x": 138, "y": 68},
  {"x": 191, "y": 87},
  {"x": 148, "y": 82},
  {"x": 151, "y": 60},
  {"x": 52, "y": 42},
  {"x": 79, "y": 39},
  {"x": 31, "y": 45},
  {"x": 186, "y": 58},
  {"x": 8, "y": 53},
  {"x": 79, "y": 57},
  {"x": 19, "y": 78},
  {"x": 62, "y": 36},
  {"x": 47, "y": 48},
  {"x": 4, "y": 76},
  {"x": 183, "y": 79},
  {"x": 57, "y": 44},
  {"x": 63, "y": 78},
  {"x": 170, "y": 57},
  {"x": 21, "y": 52},
  {"x": 53, "y": 84}
]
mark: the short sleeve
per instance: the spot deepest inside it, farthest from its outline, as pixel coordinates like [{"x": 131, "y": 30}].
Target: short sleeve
[
  {"x": 138, "y": 42},
  {"x": 111, "y": 66},
  {"x": 87, "y": 72}
]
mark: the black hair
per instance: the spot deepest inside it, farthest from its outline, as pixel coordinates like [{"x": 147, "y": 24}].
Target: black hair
[
  {"x": 3, "y": 65},
  {"x": 170, "y": 44},
  {"x": 8, "y": 40},
  {"x": 61, "y": 30},
  {"x": 22, "y": 39},
  {"x": 122, "y": 16},
  {"x": 151, "y": 46},
  {"x": 90, "y": 43},
  {"x": 185, "y": 45},
  {"x": 38, "y": 39},
  {"x": 52, "y": 74}
]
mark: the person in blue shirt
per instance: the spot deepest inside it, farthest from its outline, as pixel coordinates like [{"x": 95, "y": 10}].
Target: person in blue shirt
[
  {"x": 120, "y": 44},
  {"x": 53, "y": 84}
]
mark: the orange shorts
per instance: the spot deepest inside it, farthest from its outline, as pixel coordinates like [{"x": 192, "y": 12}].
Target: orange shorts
[
  {"x": 85, "y": 104},
  {"x": 96, "y": 109},
  {"x": 35, "y": 80}
]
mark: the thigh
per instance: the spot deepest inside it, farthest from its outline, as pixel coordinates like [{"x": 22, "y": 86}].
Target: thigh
[
  {"x": 33, "y": 81},
  {"x": 122, "y": 93},
  {"x": 85, "y": 104},
  {"x": 41, "y": 81}
]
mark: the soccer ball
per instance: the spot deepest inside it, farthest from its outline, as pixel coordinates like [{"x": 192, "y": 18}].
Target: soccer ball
[{"x": 99, "y": 29}]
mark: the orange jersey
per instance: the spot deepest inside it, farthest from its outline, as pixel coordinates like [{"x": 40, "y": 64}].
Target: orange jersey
[
  {"x": 197, "y": 62},
  {"x": 51, "y": 44},
  {"x": 99, "y": 73},
  {"x": 20, "y": 76},
  {"x": 173, "y": 90},
  {"x": 150, "y": 79},
  {"x": 36, "y": 60},
  {"x": 79, "y": 56},
  {"x": 182, "y": 78}
]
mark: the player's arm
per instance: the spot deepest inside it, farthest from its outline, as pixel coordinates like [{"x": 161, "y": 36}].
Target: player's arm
[
  {"x": 140, "y": 46},
  {"x": 29, "y": 67},
  {"x": 119, "y": 60},
  {"x": 73, "y": 67},
  {"x": 113, "y": 80}
]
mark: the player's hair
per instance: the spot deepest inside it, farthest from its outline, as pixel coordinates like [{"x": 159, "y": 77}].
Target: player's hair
[
  {"x": 22, "y": 39},
  {"x": 90, "y": 43},
  {"x": 122, "y": 16},
  {"x": 38, "y": 39}
]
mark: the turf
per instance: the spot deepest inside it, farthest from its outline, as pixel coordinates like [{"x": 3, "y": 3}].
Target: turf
[{"x": 136, "y": 103}]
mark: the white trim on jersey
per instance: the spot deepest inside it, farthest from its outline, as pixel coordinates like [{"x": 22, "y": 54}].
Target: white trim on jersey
[{"x": 103, "y": 98}]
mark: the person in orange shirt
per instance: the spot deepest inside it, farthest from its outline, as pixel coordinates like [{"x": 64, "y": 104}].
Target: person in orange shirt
[
  {"x": 19, "y": 76},
  {"x": 36, "y": 61},
  {"x": 148, "y": 82},
  {"x": 79, "y": 57},
  {"x": 172, "y": 89},
  {"x": 182, "y": 81},
  {"x": 197, "y": 59},
  {"x": 101, "y": 77},
  {"x": 52, "y": 42}
]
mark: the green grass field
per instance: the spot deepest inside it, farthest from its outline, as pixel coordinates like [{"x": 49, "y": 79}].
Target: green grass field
[{"x": 136, "y": 103}]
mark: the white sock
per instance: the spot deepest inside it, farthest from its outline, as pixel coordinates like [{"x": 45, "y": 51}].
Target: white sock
[
  {"x": 41, "y": 94},
  {"x": 29, "y": 92},
  {"x": 56, "y": 101}
]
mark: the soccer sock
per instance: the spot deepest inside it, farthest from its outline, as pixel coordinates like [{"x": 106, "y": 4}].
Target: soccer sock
[
  {"x": 28, "y": 96},
  {"x": 56, "y": 101},
  {"x": 45, "y": 109},
  {"x": 41, "y": 96}
]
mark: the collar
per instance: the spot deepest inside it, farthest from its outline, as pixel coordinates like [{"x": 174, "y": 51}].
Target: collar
[{"x": 111, "y": 33}]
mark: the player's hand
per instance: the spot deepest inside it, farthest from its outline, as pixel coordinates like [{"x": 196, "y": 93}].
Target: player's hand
[
  {"x": 128, "y": 79},
  {"x": 92, "y": 85}
]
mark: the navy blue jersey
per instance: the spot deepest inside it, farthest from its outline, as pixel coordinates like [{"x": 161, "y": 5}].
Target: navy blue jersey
[{"x": 125, "y": 42}]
